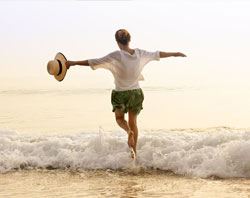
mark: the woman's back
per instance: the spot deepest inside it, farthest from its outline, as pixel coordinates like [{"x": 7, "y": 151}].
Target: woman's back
[{"x": 125, "y": 67}]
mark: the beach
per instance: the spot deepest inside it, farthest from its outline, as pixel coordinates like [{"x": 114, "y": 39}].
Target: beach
[
  {"x": 55, "y": 183},
  {"x": 92, "y": 160},
  {"x": 61, "y": 139}
]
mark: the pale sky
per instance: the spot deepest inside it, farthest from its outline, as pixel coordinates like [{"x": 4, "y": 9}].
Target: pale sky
[{"x": 213, "y": 34}]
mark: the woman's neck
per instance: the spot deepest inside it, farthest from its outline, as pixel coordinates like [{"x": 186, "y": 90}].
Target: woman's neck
[{"x": 127, "y": 49}]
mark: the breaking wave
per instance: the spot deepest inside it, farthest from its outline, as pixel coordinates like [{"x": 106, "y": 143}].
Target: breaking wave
[{"x": 221, "y": 152}]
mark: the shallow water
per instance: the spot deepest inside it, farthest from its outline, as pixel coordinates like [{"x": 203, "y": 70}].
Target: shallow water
[
  {"x": 54, "y": 183},
  {"x": 75, "y": 110}
]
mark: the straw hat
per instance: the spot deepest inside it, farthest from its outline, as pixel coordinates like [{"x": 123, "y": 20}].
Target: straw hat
[{"x": 57, "y": 66}]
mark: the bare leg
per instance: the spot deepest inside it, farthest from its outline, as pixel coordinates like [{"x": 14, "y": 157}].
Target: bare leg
[
  {"x": 119, "y": 116},
  {"x": 132, "y": 122}
]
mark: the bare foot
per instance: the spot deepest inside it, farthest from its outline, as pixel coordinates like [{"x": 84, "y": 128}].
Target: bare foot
[
  {"x": 131, "y": 144},
  {"x": 132, "y": 153}
]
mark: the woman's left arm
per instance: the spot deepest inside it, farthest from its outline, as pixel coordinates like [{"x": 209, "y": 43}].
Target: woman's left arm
[
  {"x": 169, "y": 54},
  {"x": 73, "y": 63}
]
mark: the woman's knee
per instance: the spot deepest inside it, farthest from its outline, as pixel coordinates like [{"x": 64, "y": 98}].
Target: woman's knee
[
  {"x": 119, "y": 119},
  {"x": 119, "y": 115}
]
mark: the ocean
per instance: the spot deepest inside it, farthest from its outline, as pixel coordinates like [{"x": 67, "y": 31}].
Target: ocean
[{"x": 193, "y": 142}]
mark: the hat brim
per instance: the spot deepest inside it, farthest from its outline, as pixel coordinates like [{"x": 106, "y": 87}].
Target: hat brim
[{"x": 62, "y": 60}]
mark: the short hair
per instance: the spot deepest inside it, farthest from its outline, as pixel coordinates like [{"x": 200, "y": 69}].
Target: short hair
[{"x": 122, "y": 36}]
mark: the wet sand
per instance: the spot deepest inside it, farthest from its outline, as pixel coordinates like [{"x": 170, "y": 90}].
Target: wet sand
[{"x": 59, "y": 183}]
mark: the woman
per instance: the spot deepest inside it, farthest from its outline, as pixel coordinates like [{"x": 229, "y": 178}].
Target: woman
[{"x": 126, "y": 65}]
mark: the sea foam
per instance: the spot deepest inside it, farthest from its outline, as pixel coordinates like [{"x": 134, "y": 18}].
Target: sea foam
[{"x": 221, "y": 152}]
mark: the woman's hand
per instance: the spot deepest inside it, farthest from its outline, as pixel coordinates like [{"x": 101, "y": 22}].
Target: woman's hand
[
  {"x": 180, "y": 54},
  {"x": 69, "y": 63}
]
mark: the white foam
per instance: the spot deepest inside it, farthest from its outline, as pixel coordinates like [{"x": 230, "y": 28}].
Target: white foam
[{"x": 221, "y": 152}]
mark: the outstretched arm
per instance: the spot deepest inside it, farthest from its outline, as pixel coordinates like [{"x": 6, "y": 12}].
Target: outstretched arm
[
  {"x": 103, "y": 62},
  {"x": 169, "y": 54},
  {"x": 73, "y": 63}
]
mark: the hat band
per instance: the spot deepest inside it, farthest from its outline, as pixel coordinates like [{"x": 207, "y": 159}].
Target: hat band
[{"x": 60, "y": 67}]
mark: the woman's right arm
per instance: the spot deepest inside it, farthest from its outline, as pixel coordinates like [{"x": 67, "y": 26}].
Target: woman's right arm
[
  {"x": 169, "y": 54},
  {"x": 73, "y": 63}
]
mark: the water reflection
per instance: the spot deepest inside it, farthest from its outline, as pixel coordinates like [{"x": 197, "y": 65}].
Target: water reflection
[
  {"x": 130, "y": 189},
  {"x": 59, "y": 183}
]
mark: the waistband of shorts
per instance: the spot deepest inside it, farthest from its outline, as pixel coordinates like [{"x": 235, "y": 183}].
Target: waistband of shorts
[{"x": 130, "y": 90}]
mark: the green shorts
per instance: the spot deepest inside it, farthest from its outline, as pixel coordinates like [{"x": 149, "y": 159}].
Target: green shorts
[{"x": 127, "y": 100}]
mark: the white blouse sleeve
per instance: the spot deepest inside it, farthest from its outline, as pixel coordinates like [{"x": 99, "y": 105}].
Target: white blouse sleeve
[
  {"x": 147, "y": 56},
  {"x": 106, "y": 62}
]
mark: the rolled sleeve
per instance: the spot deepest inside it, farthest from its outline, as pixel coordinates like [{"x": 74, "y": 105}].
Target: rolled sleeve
[
  {"x": 105, "y": 62},
  {"x": 157, "y": 55},
  {"x": 152, "y": 55},
  {"x": 147, "y": 56},
  {"x": 91, "y": 64}
]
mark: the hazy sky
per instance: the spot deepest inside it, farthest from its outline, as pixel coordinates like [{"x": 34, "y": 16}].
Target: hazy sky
[{"x": 213, "y": 34}]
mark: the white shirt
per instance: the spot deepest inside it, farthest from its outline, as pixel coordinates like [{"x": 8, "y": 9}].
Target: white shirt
[{"x": 126, "y": 68}]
